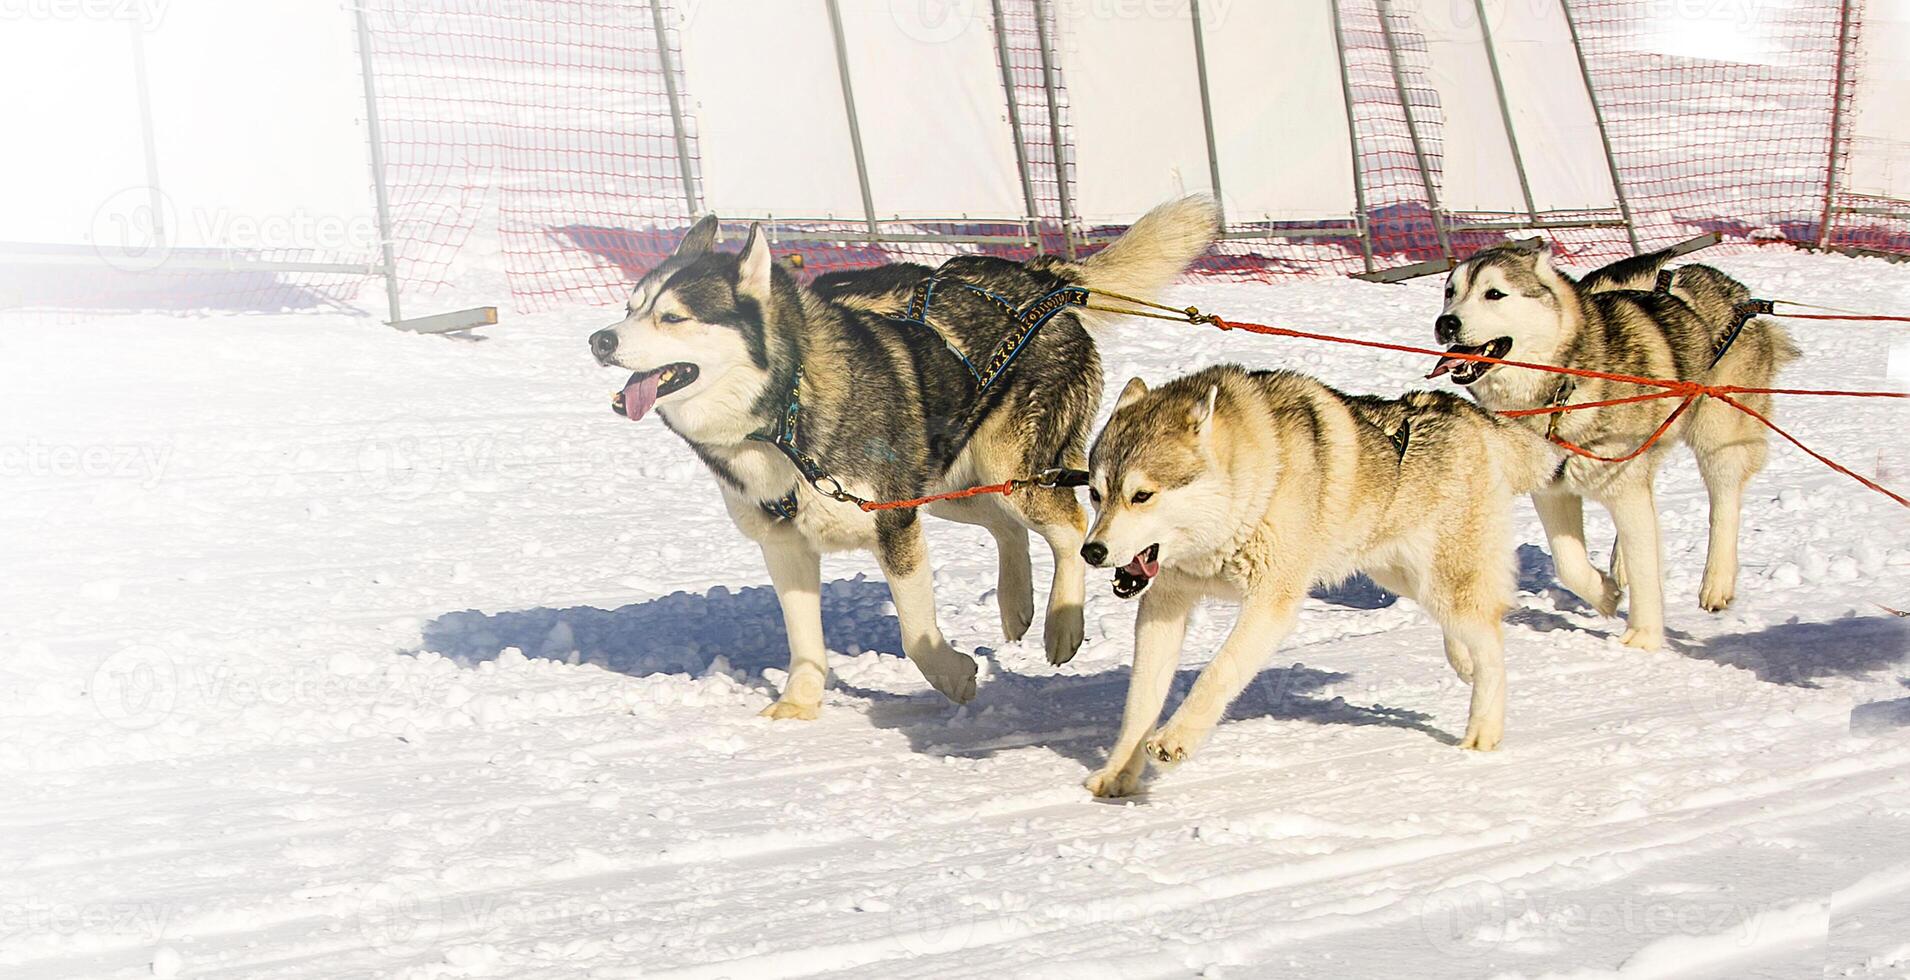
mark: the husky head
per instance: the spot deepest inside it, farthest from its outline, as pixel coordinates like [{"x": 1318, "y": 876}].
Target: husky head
[
  {"x": 1155, "y": 484},
  {"x": 695, "y": 332},
  {"x": 1506, "y": 301}
]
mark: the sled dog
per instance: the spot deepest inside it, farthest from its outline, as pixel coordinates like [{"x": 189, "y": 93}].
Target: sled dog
[
  {"x": 886, "y": 384},
  {"x": 1257, "y": 485},
  {"x": 1510, "y": 301}
]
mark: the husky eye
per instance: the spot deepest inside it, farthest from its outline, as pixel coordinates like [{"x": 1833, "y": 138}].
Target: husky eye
[
  {"x": 1142, "y": 496},
  {"x": 1448, "y": 292},
  {"x": 1494, "y": 294},
  {"x": 674, "y": 318},
  {"x": 1094, "y": 495}
]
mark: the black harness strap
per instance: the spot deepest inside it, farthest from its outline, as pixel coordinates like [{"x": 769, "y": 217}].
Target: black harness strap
[
  {"x": 783, "y": 437},
  {"x": 1745, "y": 312},
  {"x": 1026, "y": 320}
]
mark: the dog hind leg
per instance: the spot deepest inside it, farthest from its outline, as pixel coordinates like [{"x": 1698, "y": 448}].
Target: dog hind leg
[
  {"x": 795, "y": 569},
  {"x": 1730, "y": 447},
  {"x": 903, "y": 554},
  {"x": 1159, "y": 629}
]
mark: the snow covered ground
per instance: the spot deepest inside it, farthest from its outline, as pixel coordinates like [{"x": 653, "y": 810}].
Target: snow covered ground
[{"x": 329, "y": 651}]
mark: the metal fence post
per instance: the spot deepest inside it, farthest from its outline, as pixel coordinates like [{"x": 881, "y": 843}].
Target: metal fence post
[
  {"x": 376, "y": 137},
  {"x": 855, "y": 123},
  {"x": 1054, "y": 124},
  {"x": 1014, "y": 122},
  {"x": 1412, "y": 128},
  {"x": 676, "y": 108},
  {"x": 1836, "y": 124},
  {"x": 1505, "y": 111},
  {"x": 1352, "y": 139},
  {"x": 1207, "y": 110},
  {"x": 1604, "y": 136},
  {"x": 156, "y": 199}
]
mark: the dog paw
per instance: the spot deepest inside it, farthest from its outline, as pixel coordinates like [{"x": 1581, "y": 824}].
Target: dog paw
[
  {"x": 1611, "y": 590},
  {"x": 953, "y": 675},
  {"x": 785, "y": 710},
  {"x": 1716, "y": 595},
  {"x": 1169, "y": 746},
  {"x": 1482, "y": 736},
  {"x": 1112, "y": 783},
  {"x": 1644, "y": 637},
  {"x": 1062, "y": 633}
]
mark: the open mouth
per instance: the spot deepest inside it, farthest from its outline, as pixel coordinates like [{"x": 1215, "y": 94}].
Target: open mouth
[
  {"x": 641, "y": 392},
  {"x": 1134, "y": 577},
  {"x": 1465, "y": 372}
]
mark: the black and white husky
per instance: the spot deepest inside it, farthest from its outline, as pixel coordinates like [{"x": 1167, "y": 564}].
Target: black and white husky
[{"x": 891, "y": 383}]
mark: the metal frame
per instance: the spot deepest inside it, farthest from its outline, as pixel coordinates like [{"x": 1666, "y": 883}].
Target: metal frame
[
  {"x": 376, "y": 137},
  {"x": 1836, "y": 124},
  {"x": 1207, "y": 109},
  {"x": 1505, "y": 110},
  {"x": 1054, "y": 124},
  {"x": 1385, "y": 9},
  {"x": 1604, "y": 136},
  {"x": 676, "y": 108},
  {"x": 834, "y": 10},
  {"x": 1352, "y": 138},
  {"x": 1014, "y": 123}
]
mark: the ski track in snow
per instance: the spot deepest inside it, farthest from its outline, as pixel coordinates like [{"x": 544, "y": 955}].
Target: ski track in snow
[{"x": 331, "y": 651}]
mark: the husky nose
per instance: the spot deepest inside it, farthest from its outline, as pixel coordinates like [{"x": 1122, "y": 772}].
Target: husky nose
[
  {"x": 1446, "y": 328},
  {"x": 1095, "y": 552},
  {"x": 603, "y": 343}
]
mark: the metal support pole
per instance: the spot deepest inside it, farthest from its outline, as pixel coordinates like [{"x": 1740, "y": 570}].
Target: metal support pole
[
  {"x": 1604, "y": 136},
  {"x": 1207, "y": 109},
  {"x": 849, "y": 106},
  {"x": 1014, "y": 123},
  {"x": 1412, "y": 128},
  {"x": 376, "y": 138},
  {"x": 156, "y": 199},
  {"x": 1836, "y": 124},
  {"x": 1054, "y": 124},
  {"x": 1505, "y": 110},
  {"x": 1352, "y": 138},
  {"x": 676, "y": 108}
]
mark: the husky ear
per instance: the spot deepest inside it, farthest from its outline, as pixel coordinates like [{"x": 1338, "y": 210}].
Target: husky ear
[
  {"x": 1130, "y": 394},
  {"x": 700, "y": 240},
  {"x": 753, "y": 278},
  {"x": 1202, "y": 416}
]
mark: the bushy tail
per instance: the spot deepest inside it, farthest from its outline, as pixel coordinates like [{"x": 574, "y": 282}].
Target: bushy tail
[{"x": 1156, "y": 249}]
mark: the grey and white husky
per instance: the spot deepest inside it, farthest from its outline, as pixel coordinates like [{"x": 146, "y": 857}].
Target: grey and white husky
[
  {"x": 1257, "y": 485},
  {"x": 888, "y": 384},
  {"x": 1510, "y": 301}
]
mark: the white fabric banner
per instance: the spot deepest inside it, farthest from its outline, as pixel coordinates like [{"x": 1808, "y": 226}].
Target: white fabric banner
[
  {"x": 1278, "y": 106},
  {"x": 1877, "y": 160},
  {"x": 774, "y": 134},
  {"x": 1551, "y": 111},
  {"x": 258, "y": 113},
  {"x": 257, "y": 122},
  {"x": 72, "y": 125}
]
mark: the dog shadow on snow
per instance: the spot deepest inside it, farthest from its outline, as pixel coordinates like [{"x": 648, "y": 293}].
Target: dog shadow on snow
[
  {"x": 1794, "y": 654},
  {"x": 740, "y": 633}
]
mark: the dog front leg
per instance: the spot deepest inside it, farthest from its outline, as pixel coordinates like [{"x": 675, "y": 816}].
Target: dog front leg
[
  {"x": 796, "y": 570},
  {"x": 1563, "y": 515},
  {"x": 903, "y": 553},
  {"x": 1636, "y": 514},
  {"x": 1159, "y": 629},
  {"x": 1264, "y": 623}
]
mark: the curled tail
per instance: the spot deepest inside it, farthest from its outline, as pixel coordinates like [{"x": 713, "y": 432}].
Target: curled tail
[{"x": 1155, "y": 250}]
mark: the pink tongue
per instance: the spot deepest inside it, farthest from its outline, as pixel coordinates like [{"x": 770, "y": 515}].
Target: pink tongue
[
  {"x": 640, "y": 395},
  {"x": 1142, "y": 569},
  {"x": 1445, "y": 364}
]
